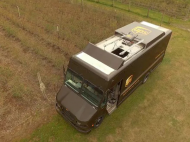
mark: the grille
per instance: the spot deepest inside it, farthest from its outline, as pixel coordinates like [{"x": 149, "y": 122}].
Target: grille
[{"x": 68, "y": 114}]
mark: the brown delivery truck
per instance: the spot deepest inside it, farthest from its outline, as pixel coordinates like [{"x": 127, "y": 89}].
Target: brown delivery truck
[{"x": 103, "y": 75}]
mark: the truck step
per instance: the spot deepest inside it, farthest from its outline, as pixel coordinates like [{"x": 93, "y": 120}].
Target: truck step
[{"x": 111, "y": 109}]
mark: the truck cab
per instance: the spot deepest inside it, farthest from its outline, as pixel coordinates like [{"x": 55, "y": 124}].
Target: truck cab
[{"x": 82, "y": 100}]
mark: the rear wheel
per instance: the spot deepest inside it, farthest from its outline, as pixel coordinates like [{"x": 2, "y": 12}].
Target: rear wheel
[{"x": 146, "y": 77}]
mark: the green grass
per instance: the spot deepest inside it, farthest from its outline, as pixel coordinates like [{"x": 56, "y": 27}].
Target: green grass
[
  {"x": 156, "y": 15},
  {"x": 142, "y": 12}
]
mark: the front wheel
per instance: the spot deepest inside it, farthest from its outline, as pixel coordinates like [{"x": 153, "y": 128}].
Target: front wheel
[{"x": 98, "y": 121}]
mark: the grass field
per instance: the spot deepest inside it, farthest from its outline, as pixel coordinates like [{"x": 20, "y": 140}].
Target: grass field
[{"x": 44, "y": 37}]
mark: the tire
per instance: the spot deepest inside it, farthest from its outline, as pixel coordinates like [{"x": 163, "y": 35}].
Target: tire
[
  {"x": 146, "y": 78},
  {"x": 98, "y": 121}
]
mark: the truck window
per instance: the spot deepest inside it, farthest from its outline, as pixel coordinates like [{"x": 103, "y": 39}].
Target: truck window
[
  {"x": 73, "y": 80},
  {"x": 91, "y": 93}
]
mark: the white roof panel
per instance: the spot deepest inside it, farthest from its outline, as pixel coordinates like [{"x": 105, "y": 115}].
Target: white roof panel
[
  {"x": 154, "y": 26},
  {"x": 95, "y": 63}
]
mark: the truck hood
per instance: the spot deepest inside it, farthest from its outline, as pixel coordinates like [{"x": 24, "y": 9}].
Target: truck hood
[{"x": 81, "y": 109}]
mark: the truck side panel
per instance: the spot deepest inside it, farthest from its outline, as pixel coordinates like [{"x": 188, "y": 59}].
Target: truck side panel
[{"x": 149, "y": 59}]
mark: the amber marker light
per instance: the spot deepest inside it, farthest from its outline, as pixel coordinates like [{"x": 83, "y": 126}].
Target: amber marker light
[{"x": 92, "y": 125}]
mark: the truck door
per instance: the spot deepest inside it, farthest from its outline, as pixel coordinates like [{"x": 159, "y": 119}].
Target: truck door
[{"x": 113, "y": 95}]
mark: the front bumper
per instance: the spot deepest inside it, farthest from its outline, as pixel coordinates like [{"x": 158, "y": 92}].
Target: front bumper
[{"x": 77, "y": 127}]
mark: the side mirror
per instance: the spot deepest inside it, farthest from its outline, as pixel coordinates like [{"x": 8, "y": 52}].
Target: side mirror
[{"x": 65, "y": 69}]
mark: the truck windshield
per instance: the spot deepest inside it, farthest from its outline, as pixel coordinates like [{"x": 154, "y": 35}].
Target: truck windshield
[
  {"x": 91, "y": 93},
  {"x": 73, "y": 80}
]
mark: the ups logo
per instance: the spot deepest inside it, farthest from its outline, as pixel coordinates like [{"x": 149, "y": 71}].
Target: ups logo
[
  {"x": 141, "y": 30},
  {"x": 129, "y": 80}
]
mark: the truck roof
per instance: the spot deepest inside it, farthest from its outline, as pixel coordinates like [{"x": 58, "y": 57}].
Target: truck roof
[{"x": 112, "y": 53}]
